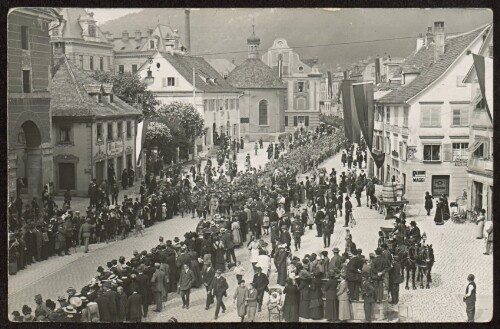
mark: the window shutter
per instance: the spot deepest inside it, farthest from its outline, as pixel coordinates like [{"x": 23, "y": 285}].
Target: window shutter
[
  {"x": 465, "y": 117},
  {"x": 486, "y": 149},
  {"x": 295, "y": 122},
  {"x": 447, "y": 152},
  {"x": 286, "y": 120},
  {"x": 295, "y": 87},
  {"x": 306, "y": 85},
  {"x": 307, "y": 121},
  {"x": 164, "y": 82}
]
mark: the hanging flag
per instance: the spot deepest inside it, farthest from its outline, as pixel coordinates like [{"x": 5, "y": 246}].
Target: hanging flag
[
  {"x": 484, "y": 71},
  {"x": 378, "y": 157},
  {"x": 140, "y": 137},
  {"x": 363, "y": 100},
  {"x": 351, "y": 124}
]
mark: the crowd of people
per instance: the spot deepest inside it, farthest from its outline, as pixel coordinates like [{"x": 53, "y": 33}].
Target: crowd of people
[{"x": 240, "y": 210}]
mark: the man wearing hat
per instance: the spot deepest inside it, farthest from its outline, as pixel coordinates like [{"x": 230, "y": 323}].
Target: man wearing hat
[
  {"x": 157, "y": 286},
  {"x": 208, "y": 275},
  {"x": 261, "y": 282},
  {"x": 414, "y": 232},
  {"x": 85, "y": 232},
  {"x": 218, "y": 289},
  {"x": 379, "y": 268},
  {"x": 348, "y": 210},
  {"x": 353, "y": 275},
  {"x": 112, "y": 296},
  {"x": 227, "y": 237},
  {"x": 186, "y": 282},
  {"x": 62, "y": 301},
  {"x": 395, "y": 279},
  {"x": 335, "y": 264},
  {"x": 369, "y": 296}
]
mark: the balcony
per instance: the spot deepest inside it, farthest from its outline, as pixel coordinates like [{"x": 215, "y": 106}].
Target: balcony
[{"x": 481, "y": 165}]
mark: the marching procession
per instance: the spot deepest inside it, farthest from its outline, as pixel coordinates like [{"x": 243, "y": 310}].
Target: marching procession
[{"x": 148, "y": 181}]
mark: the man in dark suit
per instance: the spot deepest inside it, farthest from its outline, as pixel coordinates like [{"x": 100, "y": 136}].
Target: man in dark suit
[
  {"x": 157, "y": 286},
  {"x": 208, "y": 275},
  {"x": 122, "y": 304},
  {"x": 379, "y": 267},
  {"x": 134, "y": 304},
  {"x": 261, "y": 282},
  {"x": 368, "y": 297},
  {"x": 143, "y": 280},
  {"x": 348, "y": 210},
  {"x": 113, "y": 300},
  {"x": 218, "y": 289},
  {"x": 395, "y": 279},
  {"x": 186, "y": 281},
  {"x": 353, "y": 275},
  {"x": 104, "y": 305}
]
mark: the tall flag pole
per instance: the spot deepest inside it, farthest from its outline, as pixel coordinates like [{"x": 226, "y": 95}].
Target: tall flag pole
[
  {"x": 140, "y": 138},
  {"x": 280, "y": 67}
]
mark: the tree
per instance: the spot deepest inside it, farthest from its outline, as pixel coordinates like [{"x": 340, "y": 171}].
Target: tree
[
  {"x": 130, "y": 88},
  {"x": 185, "y": 124},
  {"x": 158, "y": 134}
]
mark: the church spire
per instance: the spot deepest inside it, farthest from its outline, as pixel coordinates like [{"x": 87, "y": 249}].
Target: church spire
[{"x": 253, "y": 43}]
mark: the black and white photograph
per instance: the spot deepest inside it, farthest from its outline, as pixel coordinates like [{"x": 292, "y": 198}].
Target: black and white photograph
[{"x": 218, "y": 165}]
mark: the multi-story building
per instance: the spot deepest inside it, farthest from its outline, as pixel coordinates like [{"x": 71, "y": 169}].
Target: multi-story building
[
  {"x": 188, "y": 79},
  {"x": 28, "y": 101},
  {"x": 92, "y": 130},
  {"x": 263, "y": 104},
  {"x": 131, "y": 51},
  {"x": 424, "y": 124},
  {"x": 479, "y": 155},
  {"x": 303, "y": 81},
  {"x": 81, "y": 40}
]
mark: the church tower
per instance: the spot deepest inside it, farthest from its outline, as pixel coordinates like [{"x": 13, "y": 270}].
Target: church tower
[{"x": 253, "y": 43}]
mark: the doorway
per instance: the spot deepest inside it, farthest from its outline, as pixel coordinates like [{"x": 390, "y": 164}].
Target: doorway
[
  {"x": 29, "y": 166},
  {"x": 66, "y": 176},
  {"x": 119, "y": 167},
  {"x": 440, "y": 185},
  {"x": 99, "y": 172},
  {"x": 477, "y": 194}
]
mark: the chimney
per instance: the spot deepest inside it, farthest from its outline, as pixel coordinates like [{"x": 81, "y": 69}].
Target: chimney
[
  {"x": 125, "y": 36},
  {"x": 150, "y": 31},
  {"x": 188, "y": 30},
  {"x": 438, "y": 40},
  {"x": 138, "y": 35},
  {"x": 429, "y": 37},
  {"x": 420, "y": 41},
  {"x": 377, "y": 70}
]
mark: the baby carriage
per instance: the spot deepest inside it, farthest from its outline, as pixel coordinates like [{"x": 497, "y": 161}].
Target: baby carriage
[{"x": 274, "y": 303}]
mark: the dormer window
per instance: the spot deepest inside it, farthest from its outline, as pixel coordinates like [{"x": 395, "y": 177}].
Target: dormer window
[
  {"x": 99, "y": 98},
  {"x": 111, "y": 98},
  {"x": 92, "y": 31},
  {"x": 151, "y": 44}
]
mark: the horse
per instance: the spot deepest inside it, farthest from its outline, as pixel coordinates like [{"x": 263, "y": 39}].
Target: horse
[
  {"x": 407, "y": 255},
  {"x": 424, "y": 262}
]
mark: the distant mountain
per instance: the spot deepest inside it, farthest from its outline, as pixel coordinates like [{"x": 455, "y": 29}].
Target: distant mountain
[{"x": 224, "y": 31}]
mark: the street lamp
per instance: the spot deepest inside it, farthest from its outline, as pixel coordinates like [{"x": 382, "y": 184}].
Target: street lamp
[{"x": 149, "y": 79}]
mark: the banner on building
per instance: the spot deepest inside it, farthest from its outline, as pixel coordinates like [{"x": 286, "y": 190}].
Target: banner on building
[
  {"x": 378, "y": 158},
  {"x": 363, "y": 100},
  {"x": 351, "y": 124},
  {"x": 140, "y": 138},
  {"x": 484, "y": 71},
  {"x": 329, "y": 85}
]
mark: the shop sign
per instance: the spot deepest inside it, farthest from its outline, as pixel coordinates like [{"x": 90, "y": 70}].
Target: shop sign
[{"x": 418, "y": 176}]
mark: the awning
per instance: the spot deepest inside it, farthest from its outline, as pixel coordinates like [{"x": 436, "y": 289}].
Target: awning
[{"x": 474, "y": 146}]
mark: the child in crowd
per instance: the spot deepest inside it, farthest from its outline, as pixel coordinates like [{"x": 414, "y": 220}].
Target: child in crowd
[{"x": 239, "y": 271}]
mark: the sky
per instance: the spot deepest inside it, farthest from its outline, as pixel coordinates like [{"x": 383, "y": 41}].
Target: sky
[{"x": 102, "y": 15}]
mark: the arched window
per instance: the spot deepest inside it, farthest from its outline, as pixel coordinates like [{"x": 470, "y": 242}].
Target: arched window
[{"x": 263, "y": 113}]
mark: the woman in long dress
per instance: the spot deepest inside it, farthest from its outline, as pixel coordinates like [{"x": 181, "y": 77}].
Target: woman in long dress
[
  {"x": 316, "y": 303},
  {"x": 331, "y": 303},
  {"x": 291, "y": 304},
  {"x": 251, "y": 301},
  {"x": 480, "y": 225},
  {"x": 195, "y": 267},
  {"x": 235, "y": 229},
  {"x": 305, "y": 280},
  {"x": 343, "y": 296},
  {"x": 239, "y": 298},
  {"x": 439, "y": 215},
  {"x": 311, "y": 212}
]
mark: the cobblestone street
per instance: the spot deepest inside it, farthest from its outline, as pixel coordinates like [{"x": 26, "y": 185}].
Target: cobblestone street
[{"x": 457, "y": 254}]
